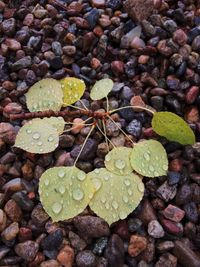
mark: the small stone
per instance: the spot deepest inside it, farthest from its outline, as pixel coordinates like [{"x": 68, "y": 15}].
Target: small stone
[
  {"x": 66, "y": 256},
  {"x": 172, "y": 227},
  {"x": 92, "y": 17},
  {"x": 91, "y": 226},
  {"x": 114, "y": 4},
  {"x": 3, "y": 220},
  {"x": 28, "y": 20},
  {"x": 86, "y": 259},
  {"x": 12, "y": 44},
  {"x": 77, "y": 243},
  {"x": 53, "y": 240},
  {"x": 77, "y": 125},
  {"x": 173, "y": 177},
  {"x": 57, "y": 48},
  {"x": 137, "y": 43},
  {"x": 27, "y": 250},
  {"x": 139, "y": 9},
  {"x": 117, "y": 67},
  {"x": 10, "y": 232},
  {"x": 155, "y": 229},
  {"x": 134, "y": 128},
  {"x": 115, "y": 251},
  {"x": 13, "y": 211},
  {"x": 166, "y": 192},
  {"x": 196, "y": 44},
  {"x": 165, "y": 246},
  {"x": 39, "y": 216},
  {"x": 166, "y": 260},
  {"x": 88, "y": 152},
  {"x": 180, "y": 37},
  {"x": 98, "y": 3},
  {"x": 24, "y": 202},
  {"x": 12, "y": 108},
  {"x": 192, "y": 115},
  {"x": 137, "y": 244},
  {"x": 100, "y": 245},
  {"x": 8, "y": 26},
  {"x": 173, "y": 213},
  {"x": 69, "y": 50},
  {"x": 50, "y": 263},
  {"x": 191, "y": 212},
  {"x": 147, "y": 213},
  {"x": 184, "y": 195},
  {"x": 22, "y": 63},
  {"x": 192, "y": 94}
]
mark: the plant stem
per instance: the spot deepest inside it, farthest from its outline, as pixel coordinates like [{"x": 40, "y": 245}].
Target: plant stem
[
  {"x": 83, "y": 104},
  {"x": 84, "y": 143},
  {"x": 107, "y": 104},
  {"x": 140, "y": 107},
  {"x": 99, "y": 128}
]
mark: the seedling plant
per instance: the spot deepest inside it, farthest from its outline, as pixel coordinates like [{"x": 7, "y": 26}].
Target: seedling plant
[{"x": 112, "y": 192}]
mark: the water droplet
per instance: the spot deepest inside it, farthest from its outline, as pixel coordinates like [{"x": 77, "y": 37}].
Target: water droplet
[
  {"x": 36, "y": 136},
  {"x": 141, "y": 187},
  {"x": 127, "y": 182},
  {"x": 130, "y": 192},
  {"x": 50, "y": 139},
  {"x": 108, "y": 158},
  {"x": 97, "y": 183},
  {"x": 125, "y": 199},
  {"x": 120, "y": 164},
  {"x": 146, "y": 156},
  {"x": 107, "y": 205},
  {"x": 78, "y": 194},
  {"x": 97, "y": 171},
  {"x": 115, "y": 205},
  {"x": 81, "y": 176},
  {"x": 151, "y": 168},
  {"x": 46, "y": 182},
  {"x": 61, "y": 189},
  {"x": 103, "y": 199},
  {"x": 61, "y": 173},
  {"x": 57, "y": 207},
  {"x": 28, "y": 131},
  {"x": 39, "y": 143},
  {"x": 106, "y": 177},
  {"x": 122, "y": 215},
  {"x": 165, "y": 167}
]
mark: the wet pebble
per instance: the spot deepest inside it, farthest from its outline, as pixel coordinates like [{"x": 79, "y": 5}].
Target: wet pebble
[
  {"x": 85, "y": 259},
  {"x": 137, "y": 244},
  {"x": 166, "y": 192},
  {"x": 155, "y": 229},
  {"x": 66, "y": 256},
  {"x": 134, "y": 128},
  {"x": 115, "y": 251},
  {"x": 27, "y": 250},
  {"x": 13, "y": 210},
  {"x": 9, "y": 26},
  {"x": 53, "y": 240},
  {"x": 39, "y": 216},
  {"x": 10, "y": 232},
  {"x": 77, "y": 243},
  {"x": 173, "y": 213}
]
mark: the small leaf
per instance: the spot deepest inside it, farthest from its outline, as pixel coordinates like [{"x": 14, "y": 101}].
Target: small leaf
[
  {"x": 45, "y": 95},
  {"x": 173, "y": 127},
  {"x": 73, "y": 89},
  {"x": 57, "y": 122},
  {"x": 65, "y": 192},
  {"x": 117, "y": 195},
  {"x": 101, "y": 89},
  {"x": 118, "y": 160},
  {"x": 37, "y": 137},
  {"x": 149, "y": 158}
]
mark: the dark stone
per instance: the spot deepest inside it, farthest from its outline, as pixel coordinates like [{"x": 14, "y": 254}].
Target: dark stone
[
  {"x": 88, "y": 151},
  {"x": 173, "y": 177},
  {"x": 134, "y": 128},
  {"x": 22, "y": 63},
  {"x": 114, "y": 4},
  {"x": 35, "y": 42},
  {"x": 92, "y": 17},
  {"x": 56, "y": 63},
  {"x": 86, "y": 259},
  {"x": 23, "y": 201},
  {"x": 191, "y": 212},
  {"x": 53, "y": 240},
  {"x": 184, "y": 195},
  {"x": 115, "y": 251},
  {"x": 100, "y": 245}
]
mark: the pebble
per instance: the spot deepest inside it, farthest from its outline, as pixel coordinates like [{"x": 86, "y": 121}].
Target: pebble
[
  {"x": 166, "y": 192},
  {"x": 85, "y": 259},
  {"x": 23, "y": 201},
  {"x": 165, "y": 246},
  {"x": 69, "y": 50},
  {"x": 39, "y": 216},
  {"x": 191, "y": 212},
  {"x": 92, "y": 17},
  {"x": 53, "y": 240},
  {"x": 13, "y": 211},
  {"x": 50, "y": 263},
  {"x": 22, "y": 63},
  {"x": 192, "y": 94},
  {"x": 137, "y": 43},
  {"x": 88, "y": 151},
  {"x": 117, "y": 67},
  {"x": 3, "y": 220},
  {"x": 91, "y": 226},
  {"x": 196, "y": 44},
  {"x": 10, "y": 232},
  {"x": 134, "y": 128},
  {"x": 28, "y": 20},
  {"x": 173, "y": 177},
  {"x": 180, "y": 37},
  {"x": 184, "y": 195},
  {"x": 12, "y": 44},
  {"x": 173, "y": 213},
  {"x": 115, "y": 251},
  {"x": 155, "y": 229},
  {"x": 167, "y": 260},
  {"x": 77, "y": 243},
  {"x": 100, "y": 245},
  {"x": 27, "y": 250},
  {"x": 8, "y": 26},
  {"x": 147, "y": 212},
  {"x": 137, "y": 244},
  {"x": 98, "y": 3},
  {"x": 172, "y": 227},
  {"x": 66, "y": 256}
]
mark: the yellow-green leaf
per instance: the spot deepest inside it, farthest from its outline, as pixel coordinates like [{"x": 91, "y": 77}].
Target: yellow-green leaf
[
  {"x": 173, "y": 127},
  {"x": 149, "y": 158},
  {"x": 101, "y": 89},
  {"x": 118, "y": 160},
  {"x": 117, "y": 195},
  {"x": 36, "y": 136},
  {"x": 73, "y": 89},
  {"x": 57, "y": 122},
  {"x": 45, "y": 95},
  {"x": 65, "y": 192}
]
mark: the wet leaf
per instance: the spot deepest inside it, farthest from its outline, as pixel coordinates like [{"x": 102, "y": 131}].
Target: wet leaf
[
  {"x": 101, "y": 89},
  {"x": 118, "y": 160},
  {"x": 57, "y": 122},
  {"x": 149, "y": 158},
  {"x": 37, "y": 137},
  {"x": 65, "y": 192},
  {"x": 117, "y": 195},
  {"x": 173, "y": 127},
  {"x": 45, "y": 95},
  {"x": 73, "y": 89}
]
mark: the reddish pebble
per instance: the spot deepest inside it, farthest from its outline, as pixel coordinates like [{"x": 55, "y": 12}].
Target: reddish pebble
[
  {"x": 175, "y": 165},
  {"x": 8, "y": 85},
  {"x": 192, "y": 94},
  {"x": 122, "y": 229},
  {"x": 28, "y": 20},
  {"x": 117, "y": 67},
  {"x": 173, "y": 213},
  {"x": 77, "y": 125},
  {"x": 192, "y": 115},
  {"x": 136, "y": 245},
  {"x": 24, "y": 234},
  {"x": 180, "y": 37},
  {"x": 172, "y": 227},
  {"x": 98, "y": 3},
  {"x": 12, "y": 44},
  {"x": 137, "y": 43},
  {"x": 66, "y": 256},
  {"x": 13, "y": 211},
  {"x": 98, "y": 31},
  {"x": 143, "y": 59},
  {"x": 95, "y": 63}
]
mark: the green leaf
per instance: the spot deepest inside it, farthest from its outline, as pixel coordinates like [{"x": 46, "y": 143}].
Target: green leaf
[
  {"x": 117, "y": 195},
  {"x": 118, "y": 160},
  {"x": 149, "y": 158},
  {"x": 65, "y": 192},
  {"x": 56, "y": 122},
  {"x": 173, "y": 127},
  {"x": 36, "y": 136},
  {"x": 73, "y": 89},
  {"x": 45, "y": 95},
  {"x": 101, "y": 89}
]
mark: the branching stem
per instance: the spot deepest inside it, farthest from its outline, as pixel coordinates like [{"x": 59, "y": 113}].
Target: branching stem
[{"x": 140, "y": 107}]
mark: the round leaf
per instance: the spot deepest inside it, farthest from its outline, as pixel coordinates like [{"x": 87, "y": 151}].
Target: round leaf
[
  {"x": 118, "y": 160},
  {"x": 73, "y": 89},
  {"x": 173, "y": 127},
  {"x": 101, "y": 89},
  {"x": 57, "y": 122},
  {"x": 65, "y": 192},
  {"x": 36, "y": 136},
  {"x": 117, "y": 195},
  {"x": 149, "y": 158},
  {"x": 45, "y": 95}
]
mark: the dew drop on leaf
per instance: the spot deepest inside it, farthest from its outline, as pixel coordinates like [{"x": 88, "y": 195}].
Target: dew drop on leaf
[{"x": 101, "y": 89}]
